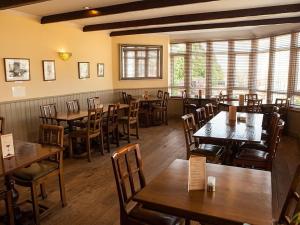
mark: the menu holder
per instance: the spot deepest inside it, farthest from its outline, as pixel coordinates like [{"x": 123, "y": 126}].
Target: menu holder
[
  {"x": 7, "y": 146},
  {"x": 232, "y": 113},
  {"x": 197, "y": 173},
  {"x": 241, "y": 99}
]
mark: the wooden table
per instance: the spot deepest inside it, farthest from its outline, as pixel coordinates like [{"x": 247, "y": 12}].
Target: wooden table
[
  {"x": 241, "y": 196},
  {"x": 220, "y": 128},
  {"x": 150, "y": 99}
]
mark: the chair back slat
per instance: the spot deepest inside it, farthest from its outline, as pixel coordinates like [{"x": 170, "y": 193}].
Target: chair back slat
[
  {"x": 93, "y": 102},
  {"x": 124, "y": 97},
  {"x": 73, "y": 106},
  {"x": 189, "y": 128},
  {"x": 251, "y": 97},
  {"x": 274, "y": 136},
  {"x": 95, "y": 117},
  {"x": 128, "y": 171},
  {"x": 160, "y": 94},
  {"x": 48, "y": 114},
  {"x": 201, "y": 116},
  {"x": 2, "y": 123}
]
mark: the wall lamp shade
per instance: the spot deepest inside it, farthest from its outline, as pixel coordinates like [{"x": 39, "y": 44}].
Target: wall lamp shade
[{"x": 65, "y": 55}]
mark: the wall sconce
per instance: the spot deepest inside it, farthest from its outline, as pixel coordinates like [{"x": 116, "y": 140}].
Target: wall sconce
[{"x": 65, "y": 55}]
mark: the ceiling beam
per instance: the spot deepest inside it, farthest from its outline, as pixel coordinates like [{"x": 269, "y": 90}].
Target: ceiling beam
[
  {"x": 196, "y": 17},
  {"x": 116, "y": 9},
  {"x": 8, "y": 4},
  {"x": 208, "y": 26}
]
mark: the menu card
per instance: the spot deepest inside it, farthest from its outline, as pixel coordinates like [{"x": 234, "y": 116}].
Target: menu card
[
  {"x": 197, "y": 173},
  {"x": 232, "y": 113},
  {"x": 7, "y": 146}
]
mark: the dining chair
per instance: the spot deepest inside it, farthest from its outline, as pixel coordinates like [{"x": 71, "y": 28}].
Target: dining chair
[
  {"x": 38, "y": 173},
  {"x": 73, "y": 106},
  {"x": 254, "y": 105},
  {"x": 93, "y": 102},
  {"x": 251, "y": 97},
  {"x": 283, "y": 104},
  {"x": 124, "y": 97},
  {"x": 212, "y": 152},
  {"x": 291, "y": 204},
  {"x": 209, "y": 111},
  {"x": 110, "y": 125},
  {"x": 48, "y": 114},
  {"x": 2, "y": 123},
  {"x": 131, "y": 120},
  {"x": 160, "y": 112},
  {"x": 257, "y": 158},
  {"x": 201, "y": 117},
  {"x": 160, "y": 94},
  {"x": 128, "y": 170},
  {"x": 92, "y": 130},
  {"x": 188, "y": 107}
]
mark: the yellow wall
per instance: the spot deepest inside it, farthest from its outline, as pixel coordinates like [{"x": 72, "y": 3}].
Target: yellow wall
[
  {"x": 140, "y": 39},
  {"x": 24, "y": 37}
]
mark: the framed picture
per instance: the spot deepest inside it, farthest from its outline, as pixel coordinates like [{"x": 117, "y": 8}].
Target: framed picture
[
  {"x": 17, "y": 69},
  {"x": 84, "y": 70},
  {"x": 100, "y": 69},
  {"x": 49, "y": 70}
]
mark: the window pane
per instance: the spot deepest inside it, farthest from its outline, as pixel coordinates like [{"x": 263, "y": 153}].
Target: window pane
[
  {"x": 178, "y": 48},
  {"x": 262, "y": 70},
  {"x": 298, "y": 72},
  {"x": 283, "y": 41},
  {"x": 242, "y": 46},
  {"x": 198, "y": 72},
  {"x": 263, "y": 44},
  {"x": 178, "y": 70},
  {"x": 241, "y": 71},
  {"x": 281, "y": 71}
]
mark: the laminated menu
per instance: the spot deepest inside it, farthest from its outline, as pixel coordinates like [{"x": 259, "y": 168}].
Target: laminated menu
[
  {"x": 7, "y": 145},
  {"x": 197, "y": 173}
]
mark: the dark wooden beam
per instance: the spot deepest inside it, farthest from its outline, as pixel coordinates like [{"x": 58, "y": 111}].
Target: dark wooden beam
[
  {"x": 116, "y": 9},
  {"x": 196, "y": 17},
  {"x": 208, "y": 26},
  {"x": 8, "y": 4}
]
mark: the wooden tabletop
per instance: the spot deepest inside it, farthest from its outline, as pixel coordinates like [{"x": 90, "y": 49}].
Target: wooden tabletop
[
  {"x": 27, "y": 153},
  {"x": 149, "y": 99},
  {"x": 64, "y": 116},
  {"x": 241, "y": 196},
  {"x": 233, "y": 103},
  {"x": 220, "y": 127}
]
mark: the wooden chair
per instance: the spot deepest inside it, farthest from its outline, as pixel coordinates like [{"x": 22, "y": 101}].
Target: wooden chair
[
  {"x": 201, "y": 117},
  {"x": 260, "y": 159},
  {"x": 131, "y": 120},
  {"x": 73, "y": 106},
  {"x": 93, "y": 103},
  {"x": 110, "y": 125},
  {"x": 124, "y": 97},
  {"x": 291, "y": 205},
  {"x": 251, "y": 97},
  {"x": 187, "y": 106},
  {"x": 2, "y": 123},
  {"x": 48, "y": 114},
  {"x": 283, "y": 104},
  {"x": 37, "y": 173},
  {"x": 93, "y": 130},
  {"x": 254, "y": 106},
  {"x": 212, "y": 152},
  {"x": 128, "y": 170},
  {"x": 160, "y": 94},
  {"x": 209, "y": 111},
  {"x": 160, "y": 112}
]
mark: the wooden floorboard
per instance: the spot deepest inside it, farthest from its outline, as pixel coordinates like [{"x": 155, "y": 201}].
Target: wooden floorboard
[{"x": 90, "y": 187}]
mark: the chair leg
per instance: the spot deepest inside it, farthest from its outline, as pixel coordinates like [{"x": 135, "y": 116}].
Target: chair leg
[
  {"x": 166, "y": 115},
  {"x": 108, "y": 142},
  {"x": 128, "y": 132},
  {"x": 35, "y": 204},
  {"x": 62, "y": 189},
  {"x": 117, "y": 136},
  {"x": 43, "y": 191},
  {"x": 102, "y": 144},
  {"x": 9, "y": 208},
  {"x": 137, "y": 130},
  {"x": 88, "y": 149},
  {"x": 71, "y": 147}
]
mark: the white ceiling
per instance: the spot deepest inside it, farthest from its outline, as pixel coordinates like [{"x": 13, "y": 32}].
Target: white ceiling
[{"x": 60, "y": 6}]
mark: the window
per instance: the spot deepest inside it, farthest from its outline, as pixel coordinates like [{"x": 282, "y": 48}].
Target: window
[
  {"x": 140, "y": 62},
  {"x": 198, "y": 68}
]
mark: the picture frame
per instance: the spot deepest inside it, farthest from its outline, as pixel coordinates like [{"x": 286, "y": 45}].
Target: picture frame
[
  {"x": 100, "y": 69},
  {"x": 49, "y": 73},
  {"x": 17, "y": 69},
  {"x": 83, "y": 70}
]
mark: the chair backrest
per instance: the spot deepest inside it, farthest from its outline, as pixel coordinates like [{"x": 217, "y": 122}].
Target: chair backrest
[
  {"x": 291, "y": 205},
  {"x": 283, "y": 104},
  {"x": 93, "y": 102},
  {"x": 254, "y": 105},
  {"x": 274, "y": 135},
  {"x": 73, "y": 106},
  {"x": 51, "y": 135},
  {"x": 201, "y": 116},
  {"x": 165, "y": 99},
  {"x": 133, "y": 109},
  {"x": 124, "y": 97},
  {"x": 95, "y": 117},
  {"x": 189, "y": 128},
  {"x": 129, "y": 176},
  {"x": 160, "y": 94},
  {"x": 2, "y": 123},
  {"x": 112, "y": 115},
  {"x": 251, "y": 97},
  {"x": 48, "y": 113},
  {"x": 209, "y": 110}
]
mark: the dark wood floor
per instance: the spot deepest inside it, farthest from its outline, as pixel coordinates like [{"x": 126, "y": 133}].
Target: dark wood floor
[{"x": 90, "y": 187}]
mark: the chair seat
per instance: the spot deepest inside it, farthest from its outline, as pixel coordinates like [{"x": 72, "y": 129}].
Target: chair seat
[
  {"x": 36, "y": 170},
  {"x": 260, "y": 146},
  {"x": 208, "y": 149},
  {"x": 253, "y": 155},
  {"x": 151, "y": 217}
]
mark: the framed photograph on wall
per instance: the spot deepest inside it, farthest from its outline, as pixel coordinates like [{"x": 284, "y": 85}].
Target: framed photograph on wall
[
  {"x": 49, "y": 70},
  {"x": 83, "y": 70},
  {"x": 16, "y": 69},
  {"x": 100, "y": 69}
]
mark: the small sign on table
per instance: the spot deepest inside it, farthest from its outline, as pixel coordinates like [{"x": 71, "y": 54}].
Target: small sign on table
[
  {"x": 7, "y": 146},
  {"x": 197, "y": 173}
]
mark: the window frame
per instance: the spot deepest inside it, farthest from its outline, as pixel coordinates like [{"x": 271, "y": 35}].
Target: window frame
[{"x": 136, "y": 59}]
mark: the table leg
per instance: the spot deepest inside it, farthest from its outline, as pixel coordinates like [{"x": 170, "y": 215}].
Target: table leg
[{"x": 10, "y": 185}]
